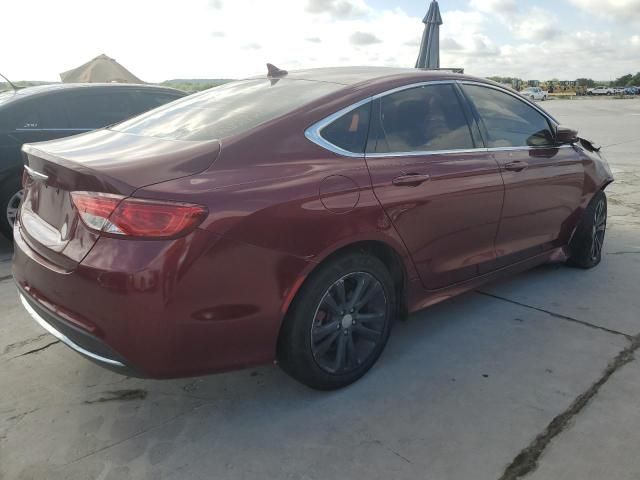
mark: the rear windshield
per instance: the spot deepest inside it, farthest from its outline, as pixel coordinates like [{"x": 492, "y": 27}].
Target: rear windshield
[{"x": 228, "y": 110}]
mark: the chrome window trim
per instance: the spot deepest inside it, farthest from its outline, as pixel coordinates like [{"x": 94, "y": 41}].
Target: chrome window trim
[
  {"x": 314, "y": 132},
  {"x": 461, "y": 151},
  {"x": 527, "y": 148},
  {"x": 64, "y": 339},
  {"x": 411, "y": 86},
  {"x": 428, "y": 153}
]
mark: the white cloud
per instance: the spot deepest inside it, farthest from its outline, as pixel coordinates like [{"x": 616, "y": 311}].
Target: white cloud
[
  {"x": 364, "y": 38},
  {"x": 235, "y": 38},
  {"x": 495, "y": 6},
  {"x": 535, "y": 24},
  {"x": 448, "y": 43},
  {"x": 621, "y": 10},
  {"x": 339, "y": 9}
]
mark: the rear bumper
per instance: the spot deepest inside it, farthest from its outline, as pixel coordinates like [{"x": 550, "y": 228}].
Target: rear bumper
[
  {"x": 83, "y": 343},
  {"x": 163, "y": 309}
]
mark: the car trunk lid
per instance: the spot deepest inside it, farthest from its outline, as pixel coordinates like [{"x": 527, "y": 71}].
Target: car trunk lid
[{"x": 104, "y": 161}]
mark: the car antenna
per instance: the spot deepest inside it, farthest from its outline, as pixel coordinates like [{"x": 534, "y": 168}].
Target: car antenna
[
  {"x": 273, "y": 71},
  {"x": 9, "y": 82}
]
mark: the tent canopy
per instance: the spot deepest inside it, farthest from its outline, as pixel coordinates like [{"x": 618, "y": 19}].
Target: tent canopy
[{"x": 101, "y": 69}]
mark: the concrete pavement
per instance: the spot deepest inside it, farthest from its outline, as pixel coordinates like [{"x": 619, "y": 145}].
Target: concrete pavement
[{"x": 534, "y": 375}]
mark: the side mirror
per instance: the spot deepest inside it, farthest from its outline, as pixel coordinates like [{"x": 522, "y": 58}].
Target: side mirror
[{"x": 566, "y": 135}]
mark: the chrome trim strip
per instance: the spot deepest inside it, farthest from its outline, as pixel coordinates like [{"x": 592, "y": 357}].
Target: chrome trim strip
[
  {"x": 427, "y": 153},
  {"x": 63, "y": 338},
  {"x": 413, "y": 85},
  {"x": 36, "y": 175},
  {"x": 314, "y": 132},
  {"x": 527, "y": 148}
]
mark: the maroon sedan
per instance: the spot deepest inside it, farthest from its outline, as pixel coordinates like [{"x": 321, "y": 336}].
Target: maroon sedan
[{"x": 294, "y": 217}]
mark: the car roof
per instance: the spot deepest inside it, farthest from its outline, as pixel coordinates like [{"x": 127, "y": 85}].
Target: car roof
[{"x": 358, "y": 75}]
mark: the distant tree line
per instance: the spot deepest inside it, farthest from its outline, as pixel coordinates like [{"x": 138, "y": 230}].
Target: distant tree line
[
  {"x": 628, "y": 80},
  {"x": 196, "y": 85},
  {"x": 21, "y": 84}
]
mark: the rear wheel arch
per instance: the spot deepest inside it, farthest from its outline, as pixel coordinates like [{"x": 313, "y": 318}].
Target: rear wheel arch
[{"x": 388, "y": 255}]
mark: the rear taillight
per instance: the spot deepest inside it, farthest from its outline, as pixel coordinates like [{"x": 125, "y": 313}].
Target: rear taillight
[{"x": 131, "y": 217}]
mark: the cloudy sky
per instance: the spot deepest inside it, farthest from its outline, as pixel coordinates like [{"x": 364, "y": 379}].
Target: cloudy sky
[{"x": 161, "y": 39}]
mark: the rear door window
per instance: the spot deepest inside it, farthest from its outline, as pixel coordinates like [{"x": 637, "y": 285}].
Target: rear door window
[
  {"x": 146, "y": 101},
  {"x": 422, "y": 119},
  {"x": 509, "y": 121},
  {"x": 97, "y": 110},
  {"x": 39, "y": 114}
]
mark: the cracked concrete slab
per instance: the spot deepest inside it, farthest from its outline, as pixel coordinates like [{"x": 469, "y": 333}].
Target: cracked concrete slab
[
  {"x": 614, "y": 283},
  {"x": 603, "y": 441},
  {"x": 474, "y": 379},
  {"x": 570, "y": 292}
]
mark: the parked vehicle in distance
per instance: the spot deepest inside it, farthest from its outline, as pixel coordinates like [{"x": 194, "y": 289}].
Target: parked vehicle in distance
[
  {"x": 535, "y": 93},
  {"x": 294, "y": 217},
  {"x": 631, "y": 91},
  {"x": 601, "y": 91},
  {"x": 48, "y": 112}
]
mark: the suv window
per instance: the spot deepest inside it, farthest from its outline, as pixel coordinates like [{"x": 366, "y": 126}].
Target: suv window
[
  {"x": 509, "y": 122},
  {"x": 97, "y": 110},
  {"x": 350, "y": 131},
  {"x": 146, "y": 101},
  {"x": 230, "y": 109},
  {"x": 39, "y": 114},
  {"x": 422, "y": 119}
]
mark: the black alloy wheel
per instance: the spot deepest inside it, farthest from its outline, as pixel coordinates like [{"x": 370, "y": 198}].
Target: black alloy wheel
[
  {"x": 339, "y": 322},
  {"x": 349, "y": 323}
]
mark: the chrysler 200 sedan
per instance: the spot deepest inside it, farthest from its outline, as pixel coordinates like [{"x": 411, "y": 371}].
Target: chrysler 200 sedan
[{"x": 294, "y": 217}]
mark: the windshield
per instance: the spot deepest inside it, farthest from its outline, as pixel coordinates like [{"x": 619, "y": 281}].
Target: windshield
[{"x": 227, "y": 110}]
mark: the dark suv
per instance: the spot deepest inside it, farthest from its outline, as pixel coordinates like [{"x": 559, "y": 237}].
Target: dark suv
[{"x": 47, "y": 112}]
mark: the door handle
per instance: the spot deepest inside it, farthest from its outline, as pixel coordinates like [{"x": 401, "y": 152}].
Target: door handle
[
  {"x": 516, "y": 166},
  {"x": 411, "y": 180}
]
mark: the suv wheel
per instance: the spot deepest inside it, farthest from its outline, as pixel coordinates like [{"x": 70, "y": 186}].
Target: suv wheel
[{"x": 10, "y": 200}]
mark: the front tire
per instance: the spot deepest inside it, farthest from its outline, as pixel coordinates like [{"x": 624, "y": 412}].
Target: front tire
[
  {"x": 588, "y": 239},
  {"x": 339, "y": 322},
  {"x": 10, "y": 198}
]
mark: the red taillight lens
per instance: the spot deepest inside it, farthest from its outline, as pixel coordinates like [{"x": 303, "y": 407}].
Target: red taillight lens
[{"x": 129, "y": 217}]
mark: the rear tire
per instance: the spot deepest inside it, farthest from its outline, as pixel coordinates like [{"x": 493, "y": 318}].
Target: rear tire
[
  {"x": 338, "y": 323},
  {"x": 588, "y": 239},
  {"x": 10, "y": 199}
]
